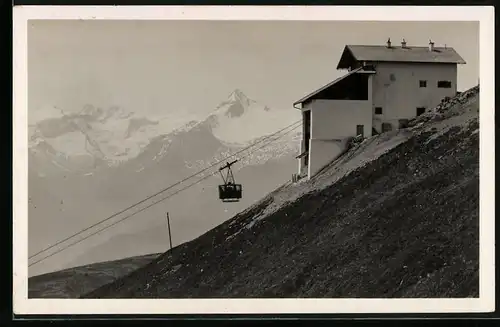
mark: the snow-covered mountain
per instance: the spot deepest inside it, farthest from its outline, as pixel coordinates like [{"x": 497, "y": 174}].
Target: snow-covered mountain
[
  {"x": 95, "y": 138},
  {"x": 240, "y": 120},
  {"x": 92, "y": 138}
]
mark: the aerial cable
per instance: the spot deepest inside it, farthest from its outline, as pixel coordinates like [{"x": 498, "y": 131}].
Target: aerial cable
[
  {"x": 165, "y": 189},
  {"x": 150, "y": 205}
]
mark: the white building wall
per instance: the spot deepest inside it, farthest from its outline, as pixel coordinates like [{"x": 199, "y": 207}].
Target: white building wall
[
  {"x": 321, "y": 153},
  {"x": 400, "y": 94},
  {"x": 332, "y": 121},
  {"x": 301, "y": 161}
]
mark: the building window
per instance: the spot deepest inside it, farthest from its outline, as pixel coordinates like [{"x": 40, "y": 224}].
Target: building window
[
  {"x": 378, "y": 110},
  {"x": 444, "y": 84},
  {"x": 420, "y": 110},
  {"x": 403, "y": 123},
  {"x": 423, "y": 83},
  {"x": 386, "y": 127},
  {"x": 360, "y": 130}
]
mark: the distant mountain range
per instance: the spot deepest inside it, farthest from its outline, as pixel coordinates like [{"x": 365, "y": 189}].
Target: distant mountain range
[
  {"x": 85, "y": 166},
  {"x": 95, "y": 138}
]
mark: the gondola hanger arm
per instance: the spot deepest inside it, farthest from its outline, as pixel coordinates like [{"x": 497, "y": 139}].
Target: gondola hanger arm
[{"x": 228, "y": 165}]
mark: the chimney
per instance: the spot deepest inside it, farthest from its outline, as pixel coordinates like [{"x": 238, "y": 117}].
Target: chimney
[
  {"x": 389, "y": 42},
  {"x": 403, "y": 44},
  {"x": 431, "y": 45}
]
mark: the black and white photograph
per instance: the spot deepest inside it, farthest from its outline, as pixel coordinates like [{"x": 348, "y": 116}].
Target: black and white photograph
[{"x": 212, "y": 155}]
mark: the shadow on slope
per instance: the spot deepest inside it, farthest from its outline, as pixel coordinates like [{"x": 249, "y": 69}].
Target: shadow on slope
[{"x": 402, "y": 224}]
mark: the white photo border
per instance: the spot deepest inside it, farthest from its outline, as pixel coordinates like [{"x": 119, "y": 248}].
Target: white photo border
[{"x": 485, "y": 303}]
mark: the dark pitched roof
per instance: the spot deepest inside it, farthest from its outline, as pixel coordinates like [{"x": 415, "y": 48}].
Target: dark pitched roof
[
  {"x": 310, "y": 95},
  {"x": 398, "y": 54}
]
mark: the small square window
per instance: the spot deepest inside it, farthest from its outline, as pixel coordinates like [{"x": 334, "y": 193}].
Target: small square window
[
  {"x": 378, "y": 110},
  {"x": 444, "y": 84},
  {"x": 423, "y": 83},
  {"x": 420, "y": 110}
]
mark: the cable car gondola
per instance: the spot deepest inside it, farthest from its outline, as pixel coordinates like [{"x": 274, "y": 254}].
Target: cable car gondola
[{"x": 229, "y": 191}]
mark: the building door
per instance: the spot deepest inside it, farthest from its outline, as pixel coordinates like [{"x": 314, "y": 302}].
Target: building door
[
  {"x": 307, "y": 134},
  {"x": 360, "y": 130}
]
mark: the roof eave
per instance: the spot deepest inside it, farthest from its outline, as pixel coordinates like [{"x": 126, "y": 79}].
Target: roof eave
[
  {"x": 310, "y": 95},
  {"x": 418, "y": 61},
  {"x": 460, "y": 60},
  {"x": 342, "y": 64}
]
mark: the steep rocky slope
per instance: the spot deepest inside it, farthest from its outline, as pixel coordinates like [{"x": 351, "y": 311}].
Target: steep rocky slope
[{"x": 396, "y": 216}]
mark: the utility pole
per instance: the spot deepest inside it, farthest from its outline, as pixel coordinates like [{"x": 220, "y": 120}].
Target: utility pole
[{"x": 169, "y": 234}]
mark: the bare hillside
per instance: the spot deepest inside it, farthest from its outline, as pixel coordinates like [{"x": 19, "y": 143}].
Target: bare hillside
[
  {"x": 396, "y": 216},
  {"x": 73, "y": 282}
]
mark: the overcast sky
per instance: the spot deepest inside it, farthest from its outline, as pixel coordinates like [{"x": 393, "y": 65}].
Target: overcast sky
[{"x": 164, "y": 67}]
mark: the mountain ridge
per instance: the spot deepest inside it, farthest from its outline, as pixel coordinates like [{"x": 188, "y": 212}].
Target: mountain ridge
[{"x": 110, "y": 137}]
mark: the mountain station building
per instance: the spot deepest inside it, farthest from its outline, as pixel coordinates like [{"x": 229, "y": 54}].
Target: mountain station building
[{"x": 384, "y": 87}]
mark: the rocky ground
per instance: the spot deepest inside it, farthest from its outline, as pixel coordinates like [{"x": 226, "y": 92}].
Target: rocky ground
[{"x": 396, "y": 216}]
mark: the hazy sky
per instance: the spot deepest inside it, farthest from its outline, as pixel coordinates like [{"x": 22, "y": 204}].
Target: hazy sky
[{"x": 165, "y": 67}]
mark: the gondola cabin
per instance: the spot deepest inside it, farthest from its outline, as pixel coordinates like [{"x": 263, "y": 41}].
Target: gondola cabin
[{"x": 229, "y": 191}]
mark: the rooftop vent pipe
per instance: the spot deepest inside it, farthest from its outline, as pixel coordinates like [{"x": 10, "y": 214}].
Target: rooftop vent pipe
[{"x": 431, "y": 45}]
